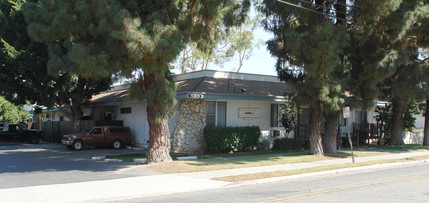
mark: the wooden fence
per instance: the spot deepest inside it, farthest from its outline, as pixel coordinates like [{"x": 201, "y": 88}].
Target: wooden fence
[{"x": 53, "y": 131}]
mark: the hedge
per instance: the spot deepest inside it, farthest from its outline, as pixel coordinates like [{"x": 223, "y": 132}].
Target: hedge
[
  {"x": 291, "y": 144},
  {"x": 231, "y": 139}
]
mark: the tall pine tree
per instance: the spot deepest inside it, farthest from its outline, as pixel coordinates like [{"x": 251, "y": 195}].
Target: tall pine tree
[
  {"x": 400, "y": 25},
  {"x": 312, "y": 40},
  {"x": 23, "y": 73},
  {"x": 103, "y": 37}
]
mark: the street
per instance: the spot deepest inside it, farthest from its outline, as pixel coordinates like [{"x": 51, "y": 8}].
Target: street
[
  {"x": 41, "y": 164},
  {"x": 408, "y": 183},
  {"x": 32, "y": 172}
]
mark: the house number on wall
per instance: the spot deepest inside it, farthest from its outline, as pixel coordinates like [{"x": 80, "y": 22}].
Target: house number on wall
[{"x": 249, "y": 112}]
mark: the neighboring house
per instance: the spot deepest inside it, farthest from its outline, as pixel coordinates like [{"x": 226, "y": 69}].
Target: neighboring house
[{"x": 50, "y": 115}]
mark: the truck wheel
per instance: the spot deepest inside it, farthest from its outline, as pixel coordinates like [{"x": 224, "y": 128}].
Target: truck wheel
[
  {"x": 77, "y": 145},
  {"x": 116, "y": 144},
  {"x": 34, "y": 139}
]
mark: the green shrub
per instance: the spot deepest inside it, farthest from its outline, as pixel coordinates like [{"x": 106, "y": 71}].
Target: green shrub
[
  {"x": 231, "y": 139},
  {"x": 264, "y": 145},
  {"x": 291, "y": 144}
]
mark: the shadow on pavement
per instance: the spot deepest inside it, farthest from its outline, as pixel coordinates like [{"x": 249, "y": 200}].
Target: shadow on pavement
[{"x": 23, "y": 158}]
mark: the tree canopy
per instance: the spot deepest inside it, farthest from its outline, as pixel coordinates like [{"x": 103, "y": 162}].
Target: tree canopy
[
  {"x": 331, "y": 49},
  {"x": 104, "y": 37},
  {"x": 313, "y": 44},
  {"x": 23, "y": 72},
  {"x": 10, "y": 113},
  {"x": 234, "y": 43}
]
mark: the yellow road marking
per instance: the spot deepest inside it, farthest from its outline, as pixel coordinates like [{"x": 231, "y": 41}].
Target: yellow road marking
[{"x": 345, "y": 188}]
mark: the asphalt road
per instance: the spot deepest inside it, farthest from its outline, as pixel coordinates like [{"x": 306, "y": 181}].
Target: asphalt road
[
  {"x": 41, "y": 164},
  {"x": 408, "y": 183}
]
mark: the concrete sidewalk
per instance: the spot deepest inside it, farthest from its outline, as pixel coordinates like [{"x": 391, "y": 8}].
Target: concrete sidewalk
[{"x": 147, "y": 186}]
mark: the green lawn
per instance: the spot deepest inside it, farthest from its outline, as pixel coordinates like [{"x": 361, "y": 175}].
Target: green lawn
[
  {"x": 250, "y": 153},
  {"x": 207, "y": 165},
  {"x": 263, "y": 175},
  {"x": 260, "y": 160},
  {"x": 129, "y": 158}
]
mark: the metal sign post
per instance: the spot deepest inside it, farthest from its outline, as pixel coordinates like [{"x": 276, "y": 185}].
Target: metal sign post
[
  {"x": 346, "y": 113},
  {"x": 351, "y": 147}
]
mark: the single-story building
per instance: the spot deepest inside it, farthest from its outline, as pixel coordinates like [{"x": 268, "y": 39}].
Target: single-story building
[
  {"x": 204, "y": 98},
  {"x": 212, "y": 98},
  {"x": 53, "y": 114}
]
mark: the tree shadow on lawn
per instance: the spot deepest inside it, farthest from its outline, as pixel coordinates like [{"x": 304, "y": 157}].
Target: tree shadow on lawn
[{"x": 267, "y": 160}]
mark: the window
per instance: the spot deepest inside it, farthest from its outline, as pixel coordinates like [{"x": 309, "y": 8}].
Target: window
[
  {"x": 210, "y": 113},
  {"x": 126, "y": 110},
  {"x": 119, "y": 130},
  {"x": 276, "y": 114},
  {"x": 96, "y": 131},
  {"x": 221, "y": 114},
  {"x": 108, "y": 116},
  {"x": 215, "y": 113}
]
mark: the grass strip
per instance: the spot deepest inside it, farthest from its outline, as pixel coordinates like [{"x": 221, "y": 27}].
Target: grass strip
[
  {"x": 205, "y": 165},
  {"x": 251, "y": 153},
  {"x": 273, "y": 174},
  {"x": 407, "y": 147},
  {"x": 129, "y": 158}
]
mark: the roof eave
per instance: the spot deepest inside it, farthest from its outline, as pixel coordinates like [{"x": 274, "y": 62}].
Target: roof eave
[{"x": 204, "y": 95}]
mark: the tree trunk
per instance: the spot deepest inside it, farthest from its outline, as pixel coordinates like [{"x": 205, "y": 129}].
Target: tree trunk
[
  {"x": 330, "y": 136},
  {"x": 316, "y": 147},
  {"x": 426, "y": 130},
  {"x": 157, "y": 117},
  {"x": 159, "y": 135},
  {"x": 397, "y": 136}
]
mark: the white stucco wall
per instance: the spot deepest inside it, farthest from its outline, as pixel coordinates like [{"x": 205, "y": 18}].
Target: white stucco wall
[
  {"x": 137, "y": 121},
  {"x": 420, "y": 121},
  {"x": 370, "y": 115},
  {"x": 233, "y": 119}
]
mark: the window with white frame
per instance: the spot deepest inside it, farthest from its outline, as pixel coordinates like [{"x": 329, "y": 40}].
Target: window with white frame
[
  {"x": 276, "y": 114},
  {"x": 126, "y": 110},
  {"x": 215, "y": 113}
]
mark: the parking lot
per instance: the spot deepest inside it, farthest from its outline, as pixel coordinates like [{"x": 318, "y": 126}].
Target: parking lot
[{"x": 39, "y": 164}]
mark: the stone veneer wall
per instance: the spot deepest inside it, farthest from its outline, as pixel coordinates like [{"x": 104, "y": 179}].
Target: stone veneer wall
[{"x": 188, "y": 134}]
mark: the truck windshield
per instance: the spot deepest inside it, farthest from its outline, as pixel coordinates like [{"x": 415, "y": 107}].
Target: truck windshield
[{"x": 87, "y": 130}]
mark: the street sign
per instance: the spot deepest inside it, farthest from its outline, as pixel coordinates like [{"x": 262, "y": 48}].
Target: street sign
[{"x": 346, "y": 112}]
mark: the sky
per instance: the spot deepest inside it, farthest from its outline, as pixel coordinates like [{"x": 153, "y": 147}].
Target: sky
[{"x": 261, "y": 62}]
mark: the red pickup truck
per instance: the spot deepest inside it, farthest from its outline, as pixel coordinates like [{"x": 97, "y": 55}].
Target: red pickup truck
[{"x": 100, "y": 136}]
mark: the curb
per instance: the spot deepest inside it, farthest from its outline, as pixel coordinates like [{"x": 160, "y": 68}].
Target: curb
[{"x": 276, "y": 179}]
